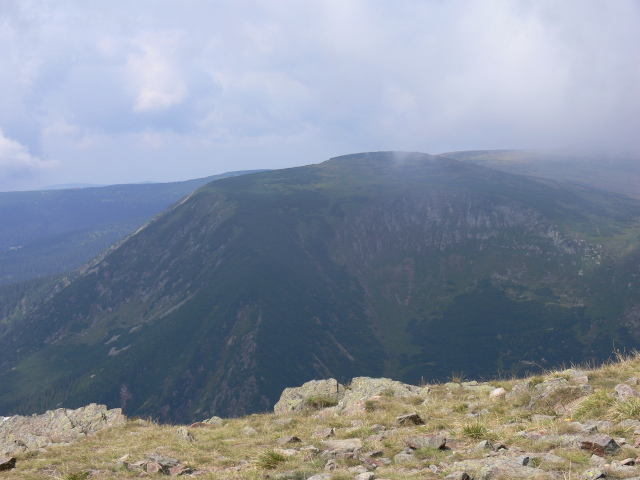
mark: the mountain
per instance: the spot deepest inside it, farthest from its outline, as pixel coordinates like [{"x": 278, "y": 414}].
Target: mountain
[
  {"x": 49, "y": 232},
  {"x": 614, "y": 172},
  {"x": 398, "y": 264}
]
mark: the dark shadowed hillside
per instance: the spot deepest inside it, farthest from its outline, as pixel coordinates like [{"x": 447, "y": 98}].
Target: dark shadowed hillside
[{"x": 397, "y": 264}]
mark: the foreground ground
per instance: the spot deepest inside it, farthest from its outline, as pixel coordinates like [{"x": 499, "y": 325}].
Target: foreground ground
[{"x": 576, "y": 423}]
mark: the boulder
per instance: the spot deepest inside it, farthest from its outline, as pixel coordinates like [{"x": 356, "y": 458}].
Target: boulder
[
  {"x": 625, "y": 391},
  {"x": 600, "y": 444},
  {"x": 295, "y": 399},
  {"x": 287, "y": 440},
  {"x": 7, "y": 463},
  {"x": 183, "y": 434},
  {"x": 497, "y": 393},
  {"x": 214, "y": 421},
  {"x": 410, "y": 419},
  {"x": 324, "y": 433},
  {"x": 337, "y": 447},
  {"x": 458, "y": 476},
  {"x": 363, "y": 388},
  {"x": 22, "y": 434},
  {"x": 426, "y": 441}
]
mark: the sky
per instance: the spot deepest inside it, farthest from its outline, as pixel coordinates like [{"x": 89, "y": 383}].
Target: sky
[{"x": 128, "y": 91}]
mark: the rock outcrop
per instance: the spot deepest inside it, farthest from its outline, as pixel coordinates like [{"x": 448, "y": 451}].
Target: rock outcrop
[
  {"x": 20, "y": 434},
  {"x": 347, "y": 399}
]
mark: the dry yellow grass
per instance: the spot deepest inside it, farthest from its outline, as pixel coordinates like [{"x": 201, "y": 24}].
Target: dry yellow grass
[{"x": 231, "y": 451}]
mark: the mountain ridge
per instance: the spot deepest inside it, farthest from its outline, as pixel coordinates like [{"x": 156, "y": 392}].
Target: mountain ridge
[{"x": 344, "y": 268}]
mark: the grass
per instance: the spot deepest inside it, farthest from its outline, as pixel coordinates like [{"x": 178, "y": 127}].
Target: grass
[
  {"x": 223, "y": 451},
  {"x": 321, "y": 402},
  {"x": 270, "y": 460},
  {"x": 476, "y": 431}
]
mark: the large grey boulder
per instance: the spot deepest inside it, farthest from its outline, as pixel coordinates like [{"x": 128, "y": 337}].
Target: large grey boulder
[
  {"x": 20, "y": 434},
  {"x": 295, "y": 399},
  {"x": 363, "y": 388}
]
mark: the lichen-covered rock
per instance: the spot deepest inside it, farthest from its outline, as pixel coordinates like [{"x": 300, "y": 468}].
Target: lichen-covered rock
[
  {"x": 600, "y": 444},
  {"x": 20, "y": 434},
  {"x": 363, "y": 388},
  {"x": 295, "y": 399},
  {"x": 490, "y": 468}
]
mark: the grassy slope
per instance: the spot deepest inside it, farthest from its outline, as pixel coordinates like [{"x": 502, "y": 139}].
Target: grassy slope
[{"x": 230, "y": 451}]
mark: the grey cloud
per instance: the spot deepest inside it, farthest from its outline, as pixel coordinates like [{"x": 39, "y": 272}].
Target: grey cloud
[{"x": 92, "y": 83}]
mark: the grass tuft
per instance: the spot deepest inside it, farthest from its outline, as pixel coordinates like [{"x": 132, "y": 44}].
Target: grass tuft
[
  {"x": 476, "y": 431},
  {"x": 270, "y": 460}
]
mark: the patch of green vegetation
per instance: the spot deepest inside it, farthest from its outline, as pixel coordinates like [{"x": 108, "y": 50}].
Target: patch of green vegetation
[
  {"x": 321, "y": 402},
  {"x": 270, "y": 460},
  {"x": 476, "y": 431}
]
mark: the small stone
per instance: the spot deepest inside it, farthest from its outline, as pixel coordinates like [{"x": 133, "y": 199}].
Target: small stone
[
  {"x": 434, "y": 468},
  {"x": 371, "y": 463},
  {"x": 184, "y": 434},
  {"x": 523, "y": 460},
  {"x": 597, "y": 460},
  {"x": 286, "y": 452},
  {"x": 348, "y": 445},
  {"x": 375, "y": 453},
  {"x": 628, "y": 462},
  {"x": 594, "y": 473},
  {"x": 458, "y": 476},
  {"x": 248, "y": 431},
  {"x": 330, "y": 465},
  {"x": 324, "y": 433},
  {"x": 180, "y": 470},
  {"x": 320, "y": 476},
  {"x": 139, "y": 465},
  {"x": 162, "y": 460},
  {"x": 632, "y": 381},
  {"x": 626, "y": 391},
  {"x": 153, "y": 467},
  {"x": 214, "y": 421},
  {"x": 288, "y": 440},
  {"x": 484, "y": 445},
  {"x": 497, "y": 393},
  {"x": 122, "y": 461},
  {"x": 365, "y": 476},
  {"x": 7, "y": 463},
  {"x": 310, "y": 450},
  {"x": 199, "y": 425},
  {"x": 403, "y": 458},
  {"x": 426, "y": 441},
  {"x": 410, "y": 419},
  {"x": 600, "y": 444}
]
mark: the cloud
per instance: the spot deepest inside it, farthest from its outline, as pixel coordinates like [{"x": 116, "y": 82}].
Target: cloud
[
  {"x": 15, "y": 159},
  {"x": 157, "y": 81},
  {"x": 281, "y": 83}
]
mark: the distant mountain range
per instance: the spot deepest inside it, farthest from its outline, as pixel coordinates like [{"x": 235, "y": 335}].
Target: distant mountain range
[
  {"x": 393, "y": 264},
  {"x": 48, "y": 232},
  {"x": 618, "y": 173}
]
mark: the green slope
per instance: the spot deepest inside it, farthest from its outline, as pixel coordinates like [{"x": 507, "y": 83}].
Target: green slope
[{"x": 397, "y": 264}]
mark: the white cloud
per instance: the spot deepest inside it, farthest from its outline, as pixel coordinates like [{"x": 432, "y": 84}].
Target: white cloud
[
  {"x": 15, "y": 159},
  {"x": 158, "y": 82}
]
